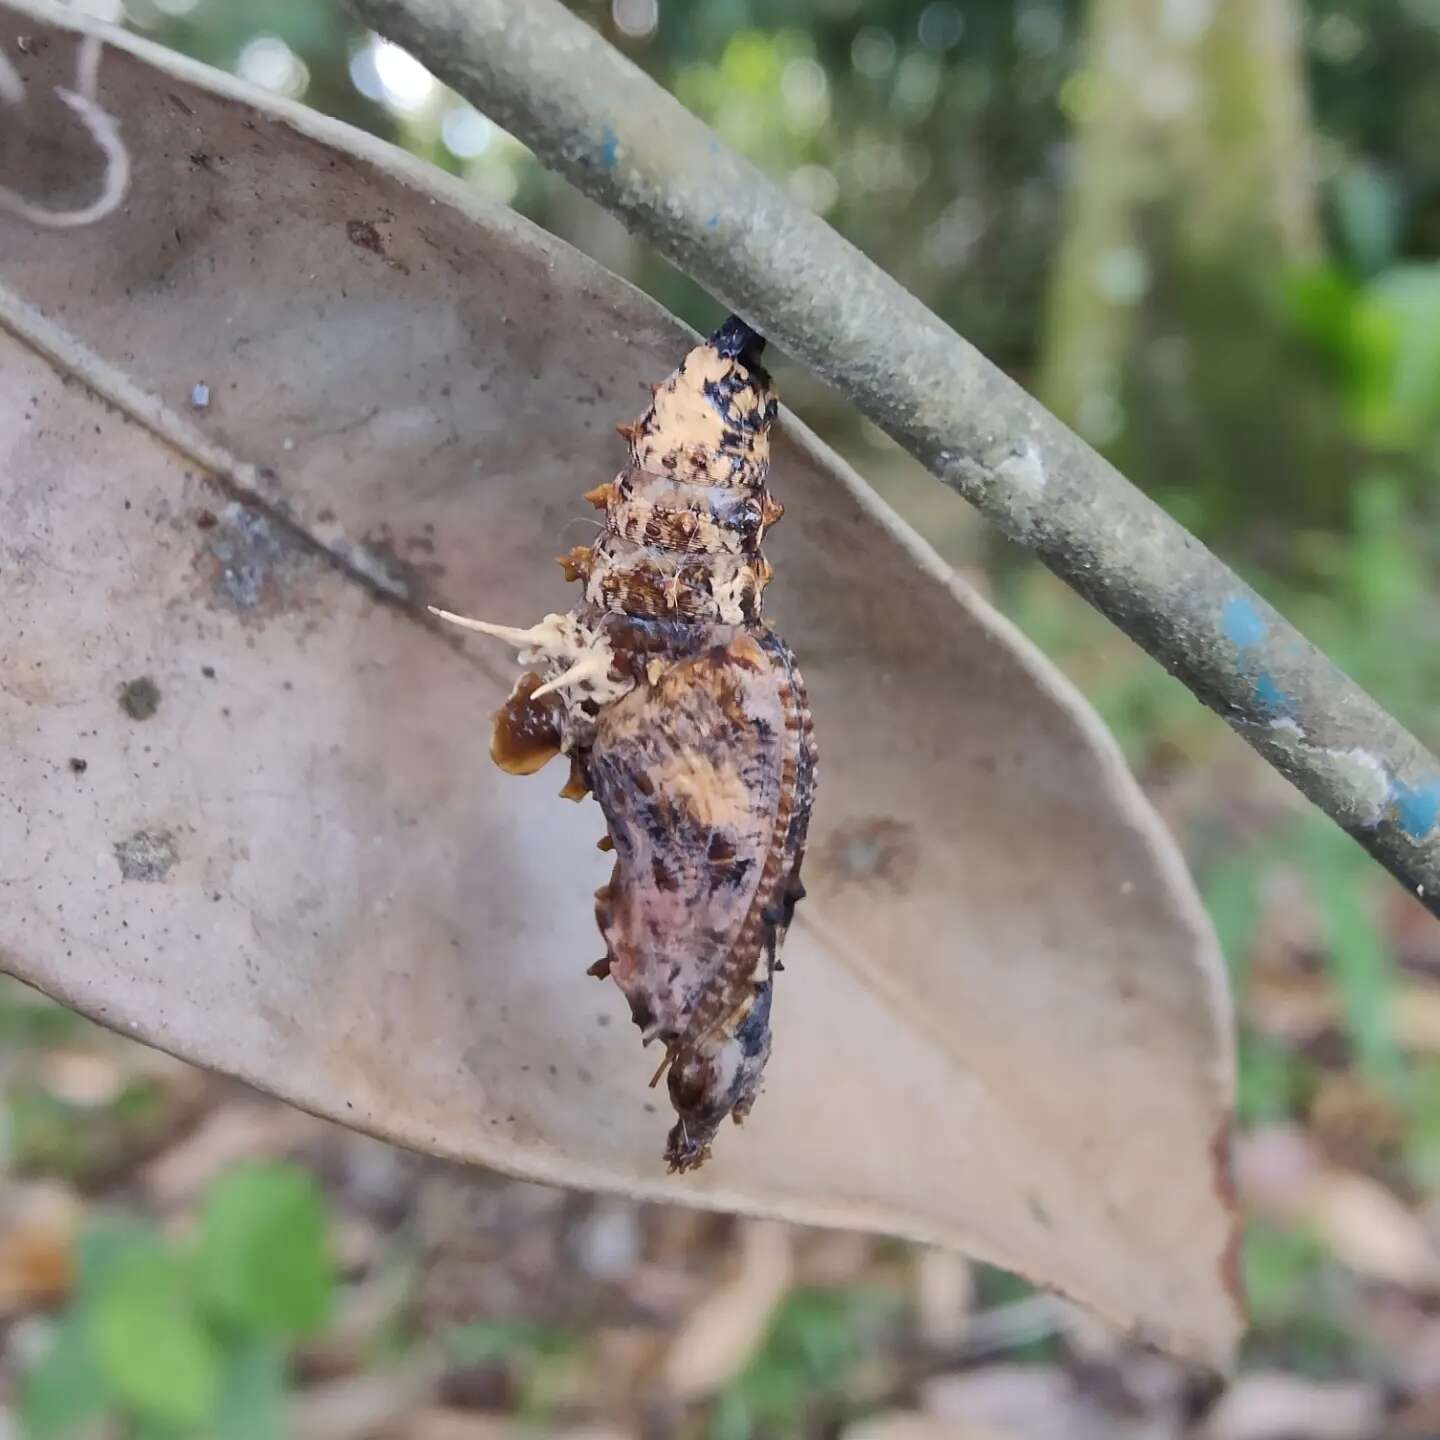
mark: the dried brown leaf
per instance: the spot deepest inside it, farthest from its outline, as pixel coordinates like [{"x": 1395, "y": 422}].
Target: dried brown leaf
[
  {"x": 1269, "y": 1406},
  {"x": 1003, "y": 1022},
  {"x": 38, "y": 1222},
  {"x": 1369, "y": 1229}
]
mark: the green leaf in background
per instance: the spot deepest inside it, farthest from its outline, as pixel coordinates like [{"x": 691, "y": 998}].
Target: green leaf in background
[
  {"x": 1408, "y": 299},
  {"x": 1383, "y": 573},
  {"x": 264, "y": 1256},
  {"x": 148, "y": 1428},
  {"x": 1274, "y": 1080},
  {"x": 252, "y": 1392},
  {"x": 1291, "y": 1292},
  {"x": 152, "y": 1346},
  {"x": 103, "y": 1243},
  {"x": 28, "y": 1018},
  {"x": 1368, "y": 215},
  {"x": 66, "y": 1389}
]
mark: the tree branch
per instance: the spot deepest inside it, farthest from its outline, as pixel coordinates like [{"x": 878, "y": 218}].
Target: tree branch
[{"x": 596, "y": 118}]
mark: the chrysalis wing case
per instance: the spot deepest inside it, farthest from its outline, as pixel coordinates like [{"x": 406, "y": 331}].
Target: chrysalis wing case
[{"x": 686, "y": 716}]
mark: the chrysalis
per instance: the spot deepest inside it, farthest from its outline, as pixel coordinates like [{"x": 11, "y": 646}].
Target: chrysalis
[{"x": 686, "y": 716}]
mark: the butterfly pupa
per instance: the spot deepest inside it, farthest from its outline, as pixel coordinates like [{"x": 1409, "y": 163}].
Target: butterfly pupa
[{"x": 686, "y": 717}]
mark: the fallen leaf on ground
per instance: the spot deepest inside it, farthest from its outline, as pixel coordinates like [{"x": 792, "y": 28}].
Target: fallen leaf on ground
[
  {"x": 1038, "y": 1402},
  {"x": 944, "y": 1294},
  {"x": 1366, "y": 1227},
  {"x": 907, "y": 1425},
  {"x": 1268, "y": 1406},
  {"x": 38, "y": 1222}
]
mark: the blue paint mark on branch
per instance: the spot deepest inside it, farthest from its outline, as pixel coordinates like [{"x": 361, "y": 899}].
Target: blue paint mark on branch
[
  {"x": 609, "y": 145},
  {"x": 1243, "y": 624},
  {"x": 1417, "y": 808},
  {"x": 1245, "y": 628},
  {"x": 1269, "y": 696}
]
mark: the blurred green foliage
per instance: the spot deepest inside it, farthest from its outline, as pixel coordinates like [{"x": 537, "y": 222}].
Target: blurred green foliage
[
  {"x": 536, "y": 1359},
  {"x": 798, "y": 1383},
  {"x": 1296, "y": 1300},
  {"x": 44, "y": 1133},
  {"x": 1380, "y": 333},
  {"x": 47, "y": 1134},
  {"x": 179, "y": 1339}
]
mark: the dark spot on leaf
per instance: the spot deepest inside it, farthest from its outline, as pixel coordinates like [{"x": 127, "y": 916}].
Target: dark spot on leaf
[
  {"x": 140, "y": 698},
  {"x": 250, "y": 561},
  {"x": 78, "y": 766},
  {"x": 365, "y": 235},
  {"x": 878, "y": 853},
  {"x": 147, "y": 855}
]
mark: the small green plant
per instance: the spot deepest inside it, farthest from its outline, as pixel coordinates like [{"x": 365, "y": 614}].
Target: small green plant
[
  {"x": 816, "y": 1342},
  {"x": 1298, "y": 1309},
  {"x": 174, "y": 1340}
]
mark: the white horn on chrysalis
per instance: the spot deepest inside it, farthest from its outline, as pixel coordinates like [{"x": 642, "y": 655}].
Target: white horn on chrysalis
[{"x": 537, "y": 637}]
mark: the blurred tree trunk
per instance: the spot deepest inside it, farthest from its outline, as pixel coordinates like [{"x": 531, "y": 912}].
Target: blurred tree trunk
[{"x": 1192, "y": 197}]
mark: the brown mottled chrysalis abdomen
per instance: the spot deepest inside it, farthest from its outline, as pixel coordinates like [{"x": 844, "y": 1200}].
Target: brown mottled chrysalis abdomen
[{"x": 686, "y": 716}]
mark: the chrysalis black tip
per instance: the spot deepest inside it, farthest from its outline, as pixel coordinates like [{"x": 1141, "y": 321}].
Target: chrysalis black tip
[{"x": 735, "y": 340}]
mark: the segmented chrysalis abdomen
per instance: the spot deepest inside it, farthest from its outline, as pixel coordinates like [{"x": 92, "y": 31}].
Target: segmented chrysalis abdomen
[{"x": 686, "y": 716}]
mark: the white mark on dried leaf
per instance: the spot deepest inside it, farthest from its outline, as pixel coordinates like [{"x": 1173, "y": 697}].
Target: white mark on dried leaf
[{"x": 104, "y": 130}]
